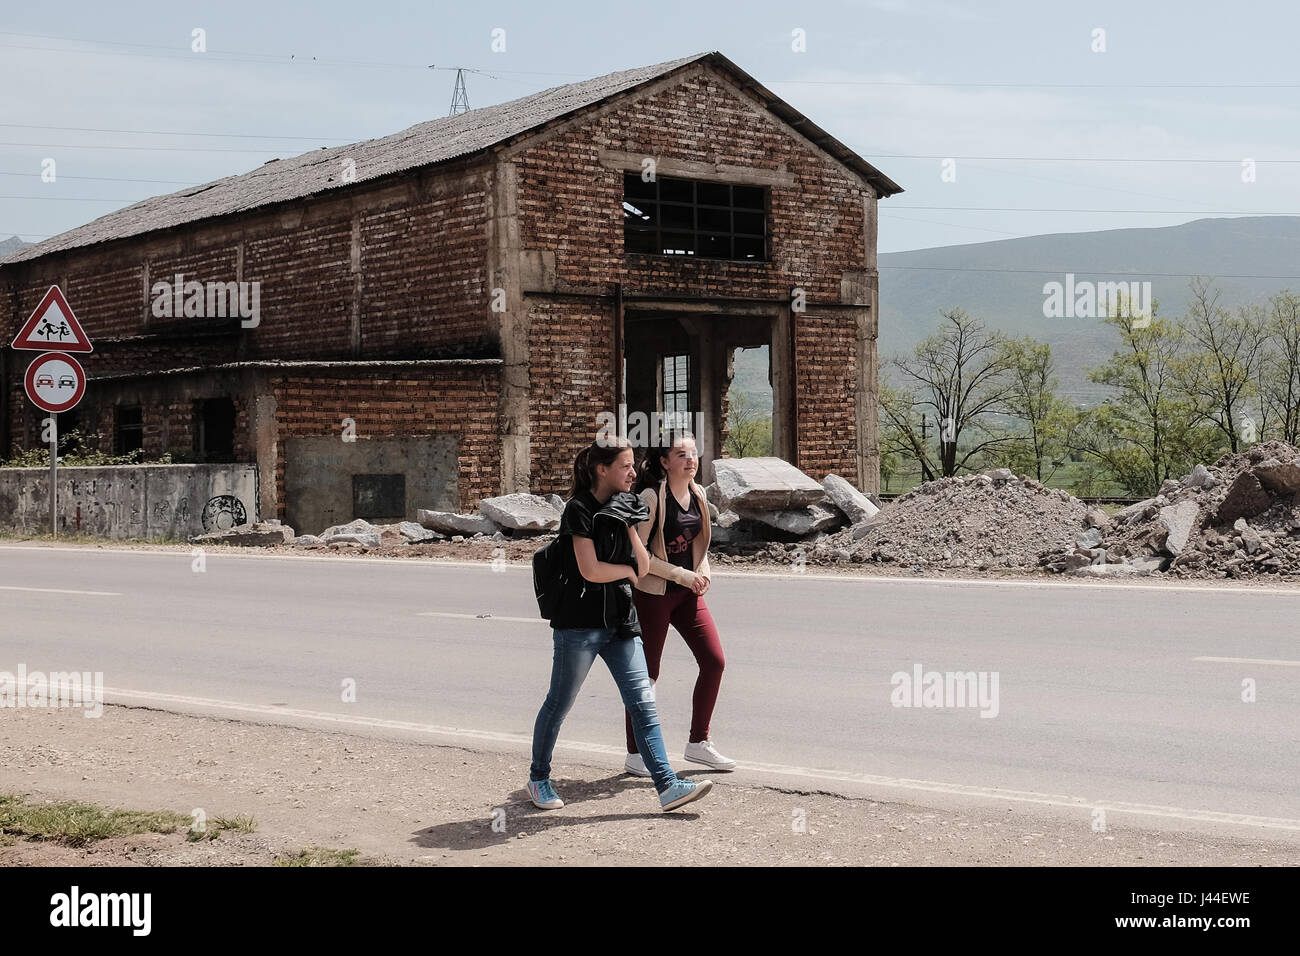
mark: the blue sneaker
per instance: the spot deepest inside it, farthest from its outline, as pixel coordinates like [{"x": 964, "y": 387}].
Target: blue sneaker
[
  {"x": 544, "y": 795},
  {"x": 682, "y": 793}
]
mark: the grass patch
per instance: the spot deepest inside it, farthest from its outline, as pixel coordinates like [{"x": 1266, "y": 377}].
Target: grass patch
[
  {"x": 320, "y": 856},
  {"x": 77, "y": 824},
  {"x": 215, "y": 826}
]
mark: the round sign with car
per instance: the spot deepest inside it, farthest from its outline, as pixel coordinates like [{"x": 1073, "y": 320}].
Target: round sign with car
[{"x": 55, "y": 382}]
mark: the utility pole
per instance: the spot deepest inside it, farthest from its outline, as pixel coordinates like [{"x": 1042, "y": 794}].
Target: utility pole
[
  {"x": 459, "y": 95},
  {"x": 459, "y": 98}
]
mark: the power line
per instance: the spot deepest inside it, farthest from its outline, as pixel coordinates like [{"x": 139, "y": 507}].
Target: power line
[
  {"x": 174, "y": 149},
  {"x": 1152, "y": 212},
  {"x": 281, "y": 58},
  {"x": 1083, "y": 159},
  {"x": 1057, "y": 272},
  {"x": 107, "y": 179},
  {"x": 164, "y": 132}
]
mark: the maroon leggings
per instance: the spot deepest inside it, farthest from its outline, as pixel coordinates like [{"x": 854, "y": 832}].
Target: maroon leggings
[{"x": 686, "y": 611}]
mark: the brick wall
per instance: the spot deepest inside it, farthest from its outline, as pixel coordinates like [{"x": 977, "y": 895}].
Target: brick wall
[
  {"x": 572, "y": 381},
  {"x": 570, "y": 202},
  {"x": 460, "y": 401},
  {"x": 825, "y": 376}
]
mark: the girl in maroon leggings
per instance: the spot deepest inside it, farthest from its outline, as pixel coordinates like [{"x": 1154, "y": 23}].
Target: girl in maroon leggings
[{"x": 677, "y": 537}]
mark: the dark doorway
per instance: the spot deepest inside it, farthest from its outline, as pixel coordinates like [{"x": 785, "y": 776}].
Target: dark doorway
[{"x": 214, "y": 430}]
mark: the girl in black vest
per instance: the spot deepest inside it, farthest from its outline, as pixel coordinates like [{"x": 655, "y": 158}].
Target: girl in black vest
[{"x": 673, "y": 592}]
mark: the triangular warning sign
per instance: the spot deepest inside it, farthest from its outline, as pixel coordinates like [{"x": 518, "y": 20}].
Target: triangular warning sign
[{"x": 53, "y": 327}]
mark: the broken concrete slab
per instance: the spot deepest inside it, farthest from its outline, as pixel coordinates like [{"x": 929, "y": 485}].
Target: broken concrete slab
[
  {"x": 726, "y": 519},
  {"x": 855, "y": 505},
  {"x": 361, "y": 539},
  {"x": 1180, "y": 521},
  {"x": 447, "y": 522},
  {"x": 1088, "y": 539},
  {"x": 1109, "y": 571},
  {"x": 798, "y": 521},
  {"x": 1280, "y": 478},
  {"x": 1197, "y": 478},
  {"x": 355, "y": 526},
  {"x": 1137, "y": 512},
  {"x": 258, "y": 535},
  {"x": 1246, "y": 498},
  {"x": 414, "y": 533},
  {"x": 1096, "y": 518},
  {"x": 764, "y": 484},
  {"x": 520, "y": 512}
]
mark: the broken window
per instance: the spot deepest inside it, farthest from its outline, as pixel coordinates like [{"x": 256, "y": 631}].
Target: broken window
[
  {"x": 214, "y": 429},
  {"x": 687, "y": 217},
  {"x": 128, "y": 429}
]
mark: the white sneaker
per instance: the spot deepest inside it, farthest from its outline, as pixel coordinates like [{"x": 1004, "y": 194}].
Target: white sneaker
[
  {"x": 704, "y": 752},
  {"x": 635, "y": 766}
]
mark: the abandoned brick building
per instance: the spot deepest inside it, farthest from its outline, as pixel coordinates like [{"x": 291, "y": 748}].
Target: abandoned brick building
[{"x": 464, "y": 298}]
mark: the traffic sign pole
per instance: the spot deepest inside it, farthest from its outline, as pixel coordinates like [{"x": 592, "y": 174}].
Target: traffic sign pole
[{"x": 54, "y": 474}]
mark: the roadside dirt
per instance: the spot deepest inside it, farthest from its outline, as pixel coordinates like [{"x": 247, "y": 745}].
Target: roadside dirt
[
  {"x": 412, "y": 803},
  {"x": 520, "y": 552}
]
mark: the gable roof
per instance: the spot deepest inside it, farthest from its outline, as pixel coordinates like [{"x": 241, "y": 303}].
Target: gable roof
[{"x": 440, "y": 140}]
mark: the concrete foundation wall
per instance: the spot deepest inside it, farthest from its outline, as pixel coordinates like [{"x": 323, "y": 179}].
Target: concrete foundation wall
[
  {"x": 142, "y": 501},
  {"x": 318, "y": 476}
]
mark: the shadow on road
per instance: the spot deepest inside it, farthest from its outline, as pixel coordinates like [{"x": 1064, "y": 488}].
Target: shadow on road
[{"x": 521, "y": 816}]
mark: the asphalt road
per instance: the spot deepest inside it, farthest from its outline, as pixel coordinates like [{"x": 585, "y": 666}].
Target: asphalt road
[{"x": 1105, "y": 693}]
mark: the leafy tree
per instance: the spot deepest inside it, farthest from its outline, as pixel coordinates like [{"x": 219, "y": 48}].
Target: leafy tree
[
  {"x": 1049, "y": 421},
  {"x": 1144, "y": 432}
]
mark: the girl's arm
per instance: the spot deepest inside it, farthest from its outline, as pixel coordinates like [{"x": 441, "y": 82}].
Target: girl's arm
[
  {"x": 638, "y": 548},
  {"x": 593, "y": 569}
]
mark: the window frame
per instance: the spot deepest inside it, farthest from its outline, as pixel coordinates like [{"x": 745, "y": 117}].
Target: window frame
[{"x": 657, "y": 228}]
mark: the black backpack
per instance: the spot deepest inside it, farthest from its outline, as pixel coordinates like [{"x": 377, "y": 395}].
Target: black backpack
[{"x": 548, "y": 577}]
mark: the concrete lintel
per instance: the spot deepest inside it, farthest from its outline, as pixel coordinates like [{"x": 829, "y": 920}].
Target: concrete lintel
[{"x": 693, "y": 169}]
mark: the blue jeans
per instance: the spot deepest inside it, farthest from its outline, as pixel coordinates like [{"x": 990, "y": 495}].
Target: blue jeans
[{"x": 575, "y": 651}]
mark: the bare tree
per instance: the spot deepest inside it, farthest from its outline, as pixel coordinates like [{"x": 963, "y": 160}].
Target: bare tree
[
  {"x": 1279, "y": 368},
  {"x": 1218, "y": 374},
  {"x": 962, "y": 373}
]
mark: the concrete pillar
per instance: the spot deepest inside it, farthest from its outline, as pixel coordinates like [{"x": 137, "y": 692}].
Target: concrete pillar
[
  {"x": 265, "y": 441},
  {"x": 504, "y": 272}
]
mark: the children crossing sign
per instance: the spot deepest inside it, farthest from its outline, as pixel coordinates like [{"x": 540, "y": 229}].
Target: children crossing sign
[{"x": 53, "y": 327}]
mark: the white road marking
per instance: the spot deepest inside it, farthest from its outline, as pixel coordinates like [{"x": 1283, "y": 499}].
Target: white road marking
[
  {"x": 1246, "y": 660},
  {"x": 482, "y": 617},
  {"x": 486, "y": 564},
  {"x": 524, "y": 743},
  {"x": 5, "y": 587}
]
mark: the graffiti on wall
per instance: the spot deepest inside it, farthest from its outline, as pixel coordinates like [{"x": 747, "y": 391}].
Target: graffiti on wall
[{"x": 223, "y": 513}]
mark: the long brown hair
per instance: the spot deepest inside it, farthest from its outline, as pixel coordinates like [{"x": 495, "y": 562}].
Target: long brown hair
[
  {"x": 653, "y": 471},
  {"x": 597, "y": 453}
]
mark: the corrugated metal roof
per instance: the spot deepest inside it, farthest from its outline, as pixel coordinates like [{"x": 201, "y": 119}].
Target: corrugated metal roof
[{"x": 424, "y": 144}]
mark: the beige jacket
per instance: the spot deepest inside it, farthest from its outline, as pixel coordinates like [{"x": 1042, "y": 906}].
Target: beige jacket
[{"x": 652, "y": 534}]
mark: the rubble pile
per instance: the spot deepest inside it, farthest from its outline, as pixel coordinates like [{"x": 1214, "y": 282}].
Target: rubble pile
[
  {"x": 1238, "y": 517},
  {"x": 982, "y": 522}
]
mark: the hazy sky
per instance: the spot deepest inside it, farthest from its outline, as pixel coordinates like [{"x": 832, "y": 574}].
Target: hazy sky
[{"x": 1036, "y": 122}]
